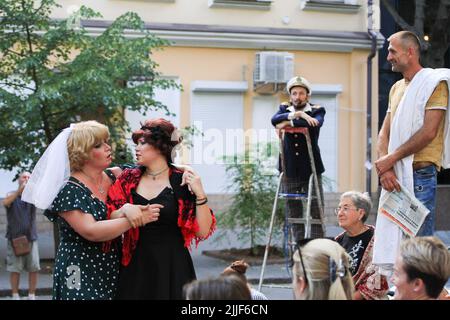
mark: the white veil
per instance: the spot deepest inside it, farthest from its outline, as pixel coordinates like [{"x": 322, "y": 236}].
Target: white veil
[{"x": 50, "y": 174}]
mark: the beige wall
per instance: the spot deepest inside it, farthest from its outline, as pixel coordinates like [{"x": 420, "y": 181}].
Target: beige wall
[
  {"x": 198, "y": 12},
  {"x": 346, "y": 69},
  {"x": 228, "y": 64}
]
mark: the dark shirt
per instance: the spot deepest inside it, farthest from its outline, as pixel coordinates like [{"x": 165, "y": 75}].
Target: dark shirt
[
  {"x": 355, "y": 247},
  {"x": 297, "y": 164},
  {"x": 21, "y": 220}
]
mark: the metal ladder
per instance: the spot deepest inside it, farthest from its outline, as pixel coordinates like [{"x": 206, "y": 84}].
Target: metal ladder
[{"x": 307, "y": 220}]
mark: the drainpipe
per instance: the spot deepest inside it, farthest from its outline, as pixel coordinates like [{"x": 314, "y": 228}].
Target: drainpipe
[{"x": 373, "y": 37}]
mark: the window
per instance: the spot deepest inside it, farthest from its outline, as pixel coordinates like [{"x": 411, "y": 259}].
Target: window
[
  {"x": 220, "y": 117},
  {"x": 243, "y": 4},
  {"x": 340, "y": 6}
]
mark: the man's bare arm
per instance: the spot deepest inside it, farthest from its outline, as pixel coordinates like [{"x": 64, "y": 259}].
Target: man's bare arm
[
  {"x": 10, "y": 198},
  {"x": 383, "y": 136},
  {"x": 423, "y": 137},
  {"x": 417, "y": 142}
]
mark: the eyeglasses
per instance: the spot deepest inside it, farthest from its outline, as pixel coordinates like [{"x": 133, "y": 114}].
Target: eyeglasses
[
  {"x": 297, "y": 246},
  {"x": 344, "y": 209}
]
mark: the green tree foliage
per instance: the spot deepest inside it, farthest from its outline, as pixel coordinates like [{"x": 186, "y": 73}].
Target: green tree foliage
[
  {"x": 425, "y": 17},
  {"x": 253, "y": 182},
  {"x": 53, "y": 72}
]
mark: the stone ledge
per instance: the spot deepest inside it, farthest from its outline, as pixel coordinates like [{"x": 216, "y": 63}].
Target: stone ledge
[{"x": 234, "y": 254}]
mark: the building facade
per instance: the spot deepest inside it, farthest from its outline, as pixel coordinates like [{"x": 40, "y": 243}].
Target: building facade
[{"x": 232, "y": 58}]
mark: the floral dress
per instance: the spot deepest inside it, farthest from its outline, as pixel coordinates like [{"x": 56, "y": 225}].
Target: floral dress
[{"x": 82, "y": 271}]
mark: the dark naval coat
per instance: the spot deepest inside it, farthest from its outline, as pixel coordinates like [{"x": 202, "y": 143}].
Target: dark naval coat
[{"x": 297, "y": 163}]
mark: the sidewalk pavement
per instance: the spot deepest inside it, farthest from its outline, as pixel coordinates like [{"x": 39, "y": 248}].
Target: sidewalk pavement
[{"x": 205, "y": 266}]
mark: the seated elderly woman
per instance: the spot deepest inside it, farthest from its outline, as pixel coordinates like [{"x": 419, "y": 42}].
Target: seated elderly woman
[
  {"x": 358, "y": 239},
  {"x": 321, "y": 271},
  {"x": 421, "y": 270}
]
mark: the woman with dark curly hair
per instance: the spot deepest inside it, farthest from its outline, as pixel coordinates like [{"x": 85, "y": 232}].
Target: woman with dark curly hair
[{"x": 156, "y": 263}]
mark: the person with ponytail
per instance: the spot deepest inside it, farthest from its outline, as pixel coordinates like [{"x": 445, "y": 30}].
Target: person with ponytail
[
  {"x": 239, "y": 268},
  {"x": 321, "y": 272}
]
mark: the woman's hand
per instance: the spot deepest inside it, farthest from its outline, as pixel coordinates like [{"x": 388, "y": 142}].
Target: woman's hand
[
  {"x": 151, "y": 213},
  {"x": 185, "y": 168},
  {"x": 116, "y": 171},
  {"x": 194, "y": 183},
  {"x": 182, "y": 167},
  {"x": 139, "y": 215},
  {"x": 133, "y": 213}
]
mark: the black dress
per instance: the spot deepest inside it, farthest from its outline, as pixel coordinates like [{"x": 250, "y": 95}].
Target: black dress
[{"x": 160, "y": 265}]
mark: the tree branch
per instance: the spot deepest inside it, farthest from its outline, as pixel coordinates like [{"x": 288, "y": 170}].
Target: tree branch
[
  {"x": 57, "y": 113},
  {"x": 398, "y": 19},
  {"x": 439, "y": 33},
  {"x": 43, "y": 108},
  {"x": 419, "y": 18},
  {"x": 16, "y": 85},
  {"x": 38, "y": 8},
  {"x": 14, "y": 52},
  {"x": 442, "y": 16}
]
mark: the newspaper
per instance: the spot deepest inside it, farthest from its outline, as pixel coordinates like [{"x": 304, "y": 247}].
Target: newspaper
[{"x": 405, "y": 210}]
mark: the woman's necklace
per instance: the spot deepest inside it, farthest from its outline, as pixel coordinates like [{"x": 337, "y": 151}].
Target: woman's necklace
[
  {"x": 154, "y": 175},
  {"x": 99, "y": 186}
]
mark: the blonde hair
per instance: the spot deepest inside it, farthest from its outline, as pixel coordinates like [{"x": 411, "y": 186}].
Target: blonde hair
[
  {"x": 317, "y": 256},
  {"x": 84, "y": 136},
  {"x": 426, "y": 258}
]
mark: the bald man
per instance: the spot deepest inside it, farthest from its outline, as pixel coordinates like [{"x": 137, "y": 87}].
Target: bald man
[
  {"x": 427, "y": 143},
  {"x": 21, "y": 221}
]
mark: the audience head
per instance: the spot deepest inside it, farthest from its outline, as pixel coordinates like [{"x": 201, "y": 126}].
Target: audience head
[
  {"x": 85, "y": 136},
  {"x": 237, "y": 268},
  {"x": 321, "y": 272},
  {"x": 404, "y": 51},
  {"x": 161, "y": 134},
  {"x": 422, "y": 268},
  {"x": 229, "y": 287},
  {"x": 354, "y": 208},
  {"x": 23, "y": 177}
]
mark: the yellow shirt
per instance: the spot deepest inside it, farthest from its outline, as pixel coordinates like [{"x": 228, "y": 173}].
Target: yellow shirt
[{"x": 438, "y": 101}]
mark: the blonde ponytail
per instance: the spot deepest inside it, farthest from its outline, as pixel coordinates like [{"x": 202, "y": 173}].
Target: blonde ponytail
[{"x": 327, "y": 271}]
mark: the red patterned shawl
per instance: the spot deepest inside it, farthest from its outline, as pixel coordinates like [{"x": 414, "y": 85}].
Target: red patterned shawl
[{"x": 120, "y": 193}]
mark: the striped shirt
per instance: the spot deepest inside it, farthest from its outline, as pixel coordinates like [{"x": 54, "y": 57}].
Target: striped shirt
[{"x": 21, "y": 220}]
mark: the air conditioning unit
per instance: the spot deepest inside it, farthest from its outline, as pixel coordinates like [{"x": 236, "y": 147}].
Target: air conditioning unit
[{"x": 273, "y": 67}]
